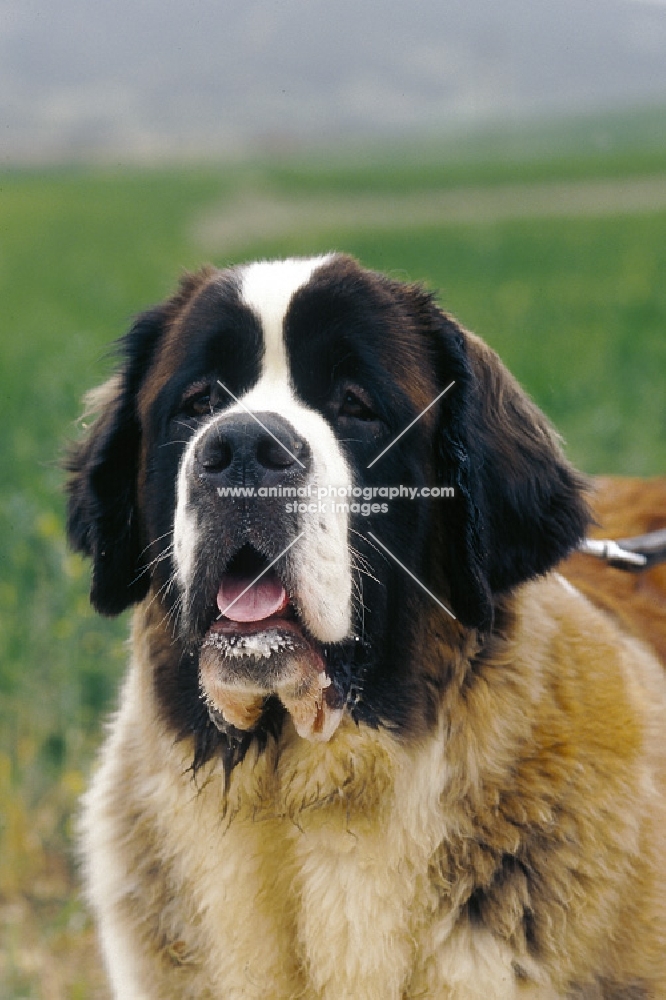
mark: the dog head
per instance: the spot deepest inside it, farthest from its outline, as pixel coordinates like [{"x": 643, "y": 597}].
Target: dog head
[{"x": 258, "y": 470}]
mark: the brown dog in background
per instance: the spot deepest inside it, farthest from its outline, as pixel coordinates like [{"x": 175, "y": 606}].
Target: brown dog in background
[{"x": 624, "y": 508}]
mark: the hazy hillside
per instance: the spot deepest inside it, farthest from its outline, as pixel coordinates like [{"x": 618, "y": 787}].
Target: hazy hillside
[{"x": 200, "y": 74}]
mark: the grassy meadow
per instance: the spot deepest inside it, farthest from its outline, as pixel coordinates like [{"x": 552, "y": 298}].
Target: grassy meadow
[{"x": 575, "y": 305}]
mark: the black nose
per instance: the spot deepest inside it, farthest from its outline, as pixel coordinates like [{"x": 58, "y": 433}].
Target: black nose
[{"x": 241, "y": 450}]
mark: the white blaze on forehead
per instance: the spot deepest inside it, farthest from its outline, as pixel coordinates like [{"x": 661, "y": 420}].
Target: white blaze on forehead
[
  {"x": 321, "y": 561},
  {"x": 268, "y": 287}
]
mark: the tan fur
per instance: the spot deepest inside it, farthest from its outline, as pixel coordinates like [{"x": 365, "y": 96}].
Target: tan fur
[{"x": 345, "y": 869}]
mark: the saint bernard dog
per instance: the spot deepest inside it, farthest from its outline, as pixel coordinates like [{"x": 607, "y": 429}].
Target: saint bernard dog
[{"x": 369, "y": 747}]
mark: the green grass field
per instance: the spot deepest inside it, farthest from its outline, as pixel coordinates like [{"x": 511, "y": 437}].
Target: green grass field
[{"x": 575, "y": 306}]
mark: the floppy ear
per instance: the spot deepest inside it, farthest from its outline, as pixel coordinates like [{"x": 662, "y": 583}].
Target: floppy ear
[
  {"x": 102, "y": 514},
  {"x": 519, "y": 506}
]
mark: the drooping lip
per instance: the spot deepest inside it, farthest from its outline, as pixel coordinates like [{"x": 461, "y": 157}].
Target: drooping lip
[
  {"x": 282, "y": 631},
  {"x": 244, "y": 661}
]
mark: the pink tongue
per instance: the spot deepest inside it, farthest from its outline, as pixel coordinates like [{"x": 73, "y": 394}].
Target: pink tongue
[{"x": 264, "y": 598}]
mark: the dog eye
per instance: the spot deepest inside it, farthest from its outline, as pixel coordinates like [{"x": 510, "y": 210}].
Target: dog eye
[
  {"x": 198, "y": 402},
  {"x": 356, "y": 404}
]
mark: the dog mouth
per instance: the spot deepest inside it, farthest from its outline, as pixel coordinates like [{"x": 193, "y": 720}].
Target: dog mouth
[{"x": 257, "y": 648}]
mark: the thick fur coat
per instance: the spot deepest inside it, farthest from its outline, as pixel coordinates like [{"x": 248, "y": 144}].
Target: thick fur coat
[{"x": 402, "y": 797}]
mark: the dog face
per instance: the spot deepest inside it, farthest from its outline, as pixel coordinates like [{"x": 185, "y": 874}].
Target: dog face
[{"x": 218, "y": 482}]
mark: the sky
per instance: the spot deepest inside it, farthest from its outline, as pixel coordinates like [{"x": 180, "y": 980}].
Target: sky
[{"x": 151, "y": 78}]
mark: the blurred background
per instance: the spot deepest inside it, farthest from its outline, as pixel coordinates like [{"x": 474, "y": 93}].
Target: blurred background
[{"x": 510, "y": 155}]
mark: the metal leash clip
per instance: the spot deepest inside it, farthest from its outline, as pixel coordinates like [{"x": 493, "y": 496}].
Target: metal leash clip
[
  {"x": 612, "y": 553},
  {"x": 631, "y": 554}
]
